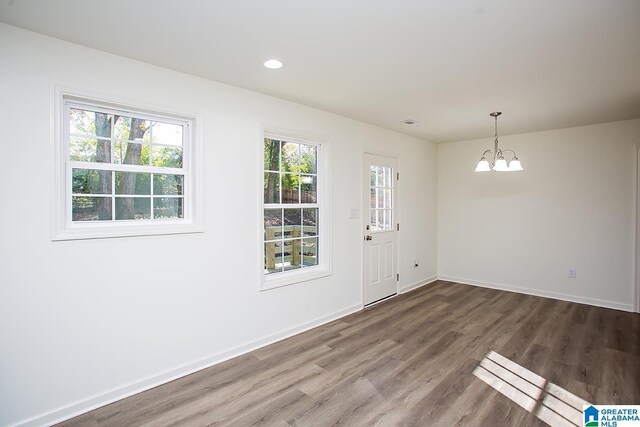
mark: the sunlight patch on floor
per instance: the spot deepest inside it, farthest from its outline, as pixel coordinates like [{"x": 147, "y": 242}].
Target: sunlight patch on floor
[{"x": 550, "y": 403}]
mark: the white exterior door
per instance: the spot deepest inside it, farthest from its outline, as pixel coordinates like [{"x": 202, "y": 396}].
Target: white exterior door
[{"x": 380, "y": 234}]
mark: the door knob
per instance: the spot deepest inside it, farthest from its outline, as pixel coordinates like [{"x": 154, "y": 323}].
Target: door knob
[{"x": 368, "y": 238}]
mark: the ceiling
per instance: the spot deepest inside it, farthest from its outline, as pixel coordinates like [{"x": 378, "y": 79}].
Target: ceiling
[{"x": 445, "y": 64}]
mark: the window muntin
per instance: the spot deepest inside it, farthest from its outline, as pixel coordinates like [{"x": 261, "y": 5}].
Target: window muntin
[
  {"x": 291, "y": 205},
  {"x": 124, "y": 166}
]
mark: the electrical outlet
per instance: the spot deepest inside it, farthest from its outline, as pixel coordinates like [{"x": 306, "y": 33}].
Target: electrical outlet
[{"x": 571, "y": 273}]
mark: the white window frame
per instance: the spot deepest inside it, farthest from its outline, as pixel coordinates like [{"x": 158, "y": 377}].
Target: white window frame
[
  {"x": 324, "y": 267},
  {"x": 63, "y": 228}
]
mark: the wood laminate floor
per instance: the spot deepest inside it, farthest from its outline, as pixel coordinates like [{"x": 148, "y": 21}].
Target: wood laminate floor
[{"x": 407, "y": 361}]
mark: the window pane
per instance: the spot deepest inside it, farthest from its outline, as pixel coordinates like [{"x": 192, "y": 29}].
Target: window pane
[
  {"x": 380, "y": 198},
  {"x": 290, "y": 157},
  {"x": 271, "y": 187},
  {"x": 387, "y": 219},
  {"x": 168, "y": 185},
  {"x": 290, "y": 192},
  {"x": 372, "y": 199},
  {"x": 373, "y": 175},
  {"x": 165, "y": 207},
  {"x": 292, "y": 254},
  {"x": 167, "y": 157},
  {"x": 90, "y": 208},
  {"x": 83, "y": 122},
  {"x": 271, "y": 154},
  {"x": 310, "y": 222},
  {"x": 273, "y": 257},
  {"x": 85, "y": 149},
  {"x": 132, "y": 129},
  {"x": 308, "y": 188},
  {"x": 387, "y": 197},
  {"x": 292, "y": 217},
  {"x": 381, "y": 176},
  {"x": 130, "y": 153},
  {"x": 272, "y": 224},
  {"x": 165, "y": 133},
  {"x": 88, "y": 181},
  {"x": 133, "y": 183},
  {"x": 372, "y": 219},
  {"x": 388, "y": 177},
  {"x": 310, "y": 251},
  {"x": 379, "y": 220},
  {"x": 308, "y": 158},
  {"x": 133, "y": 208}
]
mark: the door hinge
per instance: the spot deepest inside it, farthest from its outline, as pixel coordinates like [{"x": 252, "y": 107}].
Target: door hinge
[
  {"x": 398, "y": 176},
  {"x": 398, "y": 226},
  {"x": 398, "y": 277}
]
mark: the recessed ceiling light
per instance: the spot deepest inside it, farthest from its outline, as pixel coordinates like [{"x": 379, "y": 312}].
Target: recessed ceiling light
[
  {"x": 273, "y": 64},
  {"x": 409, "y": 122}
]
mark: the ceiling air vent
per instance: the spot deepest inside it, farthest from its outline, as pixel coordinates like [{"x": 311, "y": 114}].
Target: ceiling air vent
[{"x": 409, "y": 122}]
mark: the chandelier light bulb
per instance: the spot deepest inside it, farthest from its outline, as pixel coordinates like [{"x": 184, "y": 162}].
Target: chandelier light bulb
[
  {"x": 501, "y": 165},
  {"x": 483, "y": 165},
  {"x": 515, "y": 165}
]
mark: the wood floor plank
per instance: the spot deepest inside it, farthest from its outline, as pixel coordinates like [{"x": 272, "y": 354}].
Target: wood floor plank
[{"x": 409, "y": 361}]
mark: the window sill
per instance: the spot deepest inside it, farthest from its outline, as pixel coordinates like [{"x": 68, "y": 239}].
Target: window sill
[
  {"x": 287, "y": 278},
  {"x": 99, "y": 231}
]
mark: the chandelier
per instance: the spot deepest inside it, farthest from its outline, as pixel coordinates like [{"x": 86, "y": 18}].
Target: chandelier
[{"x": 498, "y": 162}]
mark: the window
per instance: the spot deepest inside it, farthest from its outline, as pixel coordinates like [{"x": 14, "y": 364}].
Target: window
[
  {"x": 381, "y": 207},
  {"x": 292, "y": 210},
  {"x": 126, "y": 172}
]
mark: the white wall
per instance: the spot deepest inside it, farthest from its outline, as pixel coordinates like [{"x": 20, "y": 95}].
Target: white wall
[
  {"x": 83, "y": 322},
  {"x": 573, "y": 206}
]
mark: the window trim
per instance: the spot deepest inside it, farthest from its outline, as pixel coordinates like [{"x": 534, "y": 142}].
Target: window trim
[
  {"x": 324, "y": 267},
  {"x": 63, "y": 228}
]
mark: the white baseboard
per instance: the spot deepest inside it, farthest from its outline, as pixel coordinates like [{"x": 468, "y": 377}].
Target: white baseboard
[
  {"x": 138, "y": 386},
  {"x": 564, "y": 297},
  {"x": 417, "y": 284}
]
